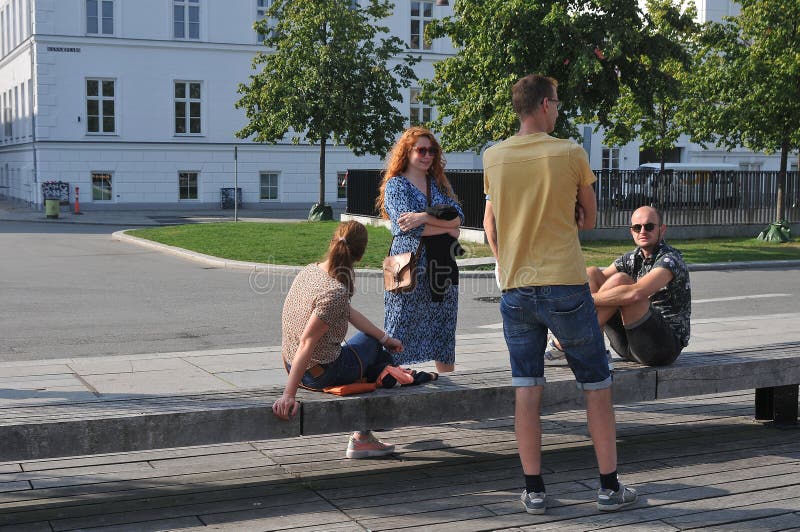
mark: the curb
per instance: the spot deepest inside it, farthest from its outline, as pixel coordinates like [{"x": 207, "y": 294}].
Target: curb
[{"x": 210, "y": 260}]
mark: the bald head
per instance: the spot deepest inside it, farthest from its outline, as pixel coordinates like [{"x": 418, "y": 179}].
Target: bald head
[{"x": 647, "y": 212}]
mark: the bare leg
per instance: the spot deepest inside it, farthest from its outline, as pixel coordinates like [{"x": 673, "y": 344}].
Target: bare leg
[
  {"x": 630, "y": 313},
  {"x": 596, "y": 278},
  {"x": 444, "y": 368},
  {"x": 602, "y": 427},
  {"x": 528, "y": 428}
]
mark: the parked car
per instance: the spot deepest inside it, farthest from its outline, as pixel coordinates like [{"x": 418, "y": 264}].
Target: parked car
[{"x": 682, "y": 184}]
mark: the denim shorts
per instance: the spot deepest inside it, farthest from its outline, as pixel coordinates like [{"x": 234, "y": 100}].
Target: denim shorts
[
  {"x": 357, "y": 354},
  {"x": 568, "y": 311}
]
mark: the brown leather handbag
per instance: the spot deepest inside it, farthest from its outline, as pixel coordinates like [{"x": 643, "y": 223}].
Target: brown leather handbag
[{"x": 400, "y": 271}]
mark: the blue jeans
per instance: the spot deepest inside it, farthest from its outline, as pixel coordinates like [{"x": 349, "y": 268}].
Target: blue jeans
[
  {"x": 357, "y": 354},
  {"x": 568, "y": 311}
]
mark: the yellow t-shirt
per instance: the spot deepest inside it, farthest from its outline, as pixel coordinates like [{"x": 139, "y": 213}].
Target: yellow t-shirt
[{"x": 532, "y": 182}]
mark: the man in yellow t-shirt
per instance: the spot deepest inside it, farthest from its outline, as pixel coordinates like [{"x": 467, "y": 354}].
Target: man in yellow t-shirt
[{"x": 534, "y": 185}]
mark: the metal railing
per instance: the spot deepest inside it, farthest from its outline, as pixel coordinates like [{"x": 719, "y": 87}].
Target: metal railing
[
  {"x": 363, "y": 185},
  {"x": 684, "y": 197}
]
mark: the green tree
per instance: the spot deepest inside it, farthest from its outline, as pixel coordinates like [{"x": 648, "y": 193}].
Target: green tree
[
  {"x": 327, "y": 79},
  {"x": 592, "y": 47},
  {"x": 654, "y": 118},
  {"x": 746, "y": 87}
]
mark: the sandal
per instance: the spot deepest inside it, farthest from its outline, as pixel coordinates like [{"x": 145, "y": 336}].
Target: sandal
[{"x": 421, "y": 377}]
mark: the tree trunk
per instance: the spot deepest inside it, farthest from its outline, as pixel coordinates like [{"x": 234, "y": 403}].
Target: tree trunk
[
  {"x": 780, "y": 213},
  {"x": 322, "y": 144}
]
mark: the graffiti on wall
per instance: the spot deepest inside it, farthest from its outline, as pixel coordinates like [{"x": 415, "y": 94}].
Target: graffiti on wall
[{"x": 56, "y": 190}]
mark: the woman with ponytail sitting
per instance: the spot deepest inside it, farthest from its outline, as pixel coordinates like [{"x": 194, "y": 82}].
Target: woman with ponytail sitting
[{"x": 315, "y": 319}]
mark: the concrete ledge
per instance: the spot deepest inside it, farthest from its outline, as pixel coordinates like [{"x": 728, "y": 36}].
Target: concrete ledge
[{"x": 150, "y": 422}]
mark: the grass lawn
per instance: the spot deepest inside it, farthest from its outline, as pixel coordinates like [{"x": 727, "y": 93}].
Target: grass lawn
[{"x": 305, "y": 242}]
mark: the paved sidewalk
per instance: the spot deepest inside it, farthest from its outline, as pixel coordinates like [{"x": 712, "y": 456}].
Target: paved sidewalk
[{"x": 20, "y": 212}]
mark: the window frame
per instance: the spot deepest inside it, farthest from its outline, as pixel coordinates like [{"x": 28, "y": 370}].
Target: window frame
[
  {"x": 188, "y": 187},
  {"x": 609, "y": 155},
  {"x": 415, "y": 105},
  {"x": 101, "y": 99},
  {"x": 188, "y": 101},
  {"x": 261, "y": 14},
  {"x": 422, "y": 22},
  {"x": 99, "y": 173},
  {"x": 341, "y": 185},
  {"x": 8, "y": 123},
  {"x": 100, "y": 17},
  {"x": 185, "y": 6},
  {"x": 277, "y": 186}
]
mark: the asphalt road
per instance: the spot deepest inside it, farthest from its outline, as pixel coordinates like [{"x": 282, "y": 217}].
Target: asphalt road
[{"x": 72, "y": 291}]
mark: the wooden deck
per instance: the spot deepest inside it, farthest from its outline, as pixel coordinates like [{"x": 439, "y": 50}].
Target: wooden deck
[{"x": 698, "y": 462}]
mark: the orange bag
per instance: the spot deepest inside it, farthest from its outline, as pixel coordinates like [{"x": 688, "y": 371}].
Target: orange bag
[{"x": 352, "y": 388}]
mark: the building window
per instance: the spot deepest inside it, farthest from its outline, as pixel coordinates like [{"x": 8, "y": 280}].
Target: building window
[
  {"x": 100, "y": 115},
  {"x": 261, "y": 12},
  {"x": 419, "y": 113},
  {"x": 186, "y": 19},
  {"x": 8, "y": 130},
  {"x": 101, "y": 186},
  {"x": 750, "y": 167},
  {"x": 100, "y": 17},
  {"x": 187, "y": 185},
  {"x": 421, "y": 16},
  {"x": 268, "y": 189},
  {"x": 187, "y": 108},
  {"x": 17, "y": 118},
  {"x": 610, "y": 159},
  {"x": 341, "y": 185}
]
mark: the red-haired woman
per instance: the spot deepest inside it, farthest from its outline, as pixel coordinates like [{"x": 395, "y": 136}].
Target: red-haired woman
[
  {"x": 425, "y": 318},
  {"x": 316, "y": 314}
]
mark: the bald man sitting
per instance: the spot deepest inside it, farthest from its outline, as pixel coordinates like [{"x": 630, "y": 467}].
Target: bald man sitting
[{"x": 644, "y": 298}]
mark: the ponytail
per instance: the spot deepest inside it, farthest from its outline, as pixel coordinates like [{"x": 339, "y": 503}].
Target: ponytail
[{"x": 346, "y": 248}]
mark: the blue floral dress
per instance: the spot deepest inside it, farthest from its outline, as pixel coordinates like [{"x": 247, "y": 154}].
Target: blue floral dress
[{"x": 426, "y": 328}]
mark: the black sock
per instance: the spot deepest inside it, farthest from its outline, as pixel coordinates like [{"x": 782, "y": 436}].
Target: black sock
[
  {"x": 609, "y": 481},
  {"x": 534, "y": 484}
]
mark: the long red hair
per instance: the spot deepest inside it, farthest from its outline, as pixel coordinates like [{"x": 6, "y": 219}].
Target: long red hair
[{"x": 397, "y": 162}]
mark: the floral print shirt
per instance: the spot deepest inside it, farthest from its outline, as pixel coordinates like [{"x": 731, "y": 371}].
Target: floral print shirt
[{"x": 674, "y": 301}]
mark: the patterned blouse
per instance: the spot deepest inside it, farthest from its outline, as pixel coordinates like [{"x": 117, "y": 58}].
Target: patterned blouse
[
  {"x": 313, "y": 290},
  {"x": 674, "y": 301}
]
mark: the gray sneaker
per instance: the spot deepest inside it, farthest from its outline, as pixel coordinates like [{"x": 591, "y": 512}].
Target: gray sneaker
[
  {"x": 608, "y": 501},
  {"x": 534, "y": 503},
  {"x": 553, "y": 354}
]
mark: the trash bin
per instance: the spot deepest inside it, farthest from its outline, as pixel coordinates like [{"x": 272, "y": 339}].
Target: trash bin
[{"x": 51, "y": 208}]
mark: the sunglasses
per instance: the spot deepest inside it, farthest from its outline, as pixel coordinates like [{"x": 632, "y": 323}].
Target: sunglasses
[
  {"x": 425, "y": 151},
  {"x": 647, "y": 227}
]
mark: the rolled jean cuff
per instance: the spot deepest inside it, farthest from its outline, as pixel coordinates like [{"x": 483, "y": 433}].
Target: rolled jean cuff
[
  {"x": 522, "y": 382},
  {"x": 602, "y": 385}
]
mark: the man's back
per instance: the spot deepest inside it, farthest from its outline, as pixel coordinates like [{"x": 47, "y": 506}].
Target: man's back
[{"x": 532, "y": 181}]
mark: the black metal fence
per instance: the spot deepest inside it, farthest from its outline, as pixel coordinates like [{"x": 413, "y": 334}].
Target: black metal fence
[
  {"x": 362, "y": 190},
  {"x": 706, "y": 197}
]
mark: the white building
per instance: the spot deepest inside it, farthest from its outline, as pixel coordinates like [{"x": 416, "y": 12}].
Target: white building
[{"x": 132, "y": 102}]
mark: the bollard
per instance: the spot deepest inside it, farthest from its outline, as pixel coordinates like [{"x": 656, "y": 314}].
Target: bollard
[{"x": 77, "y": 201}]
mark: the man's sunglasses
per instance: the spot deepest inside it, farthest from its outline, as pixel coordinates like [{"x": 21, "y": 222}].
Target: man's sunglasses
[
  {"x": 636, "y": 228},
  {"x": 425, "y": 151}
]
